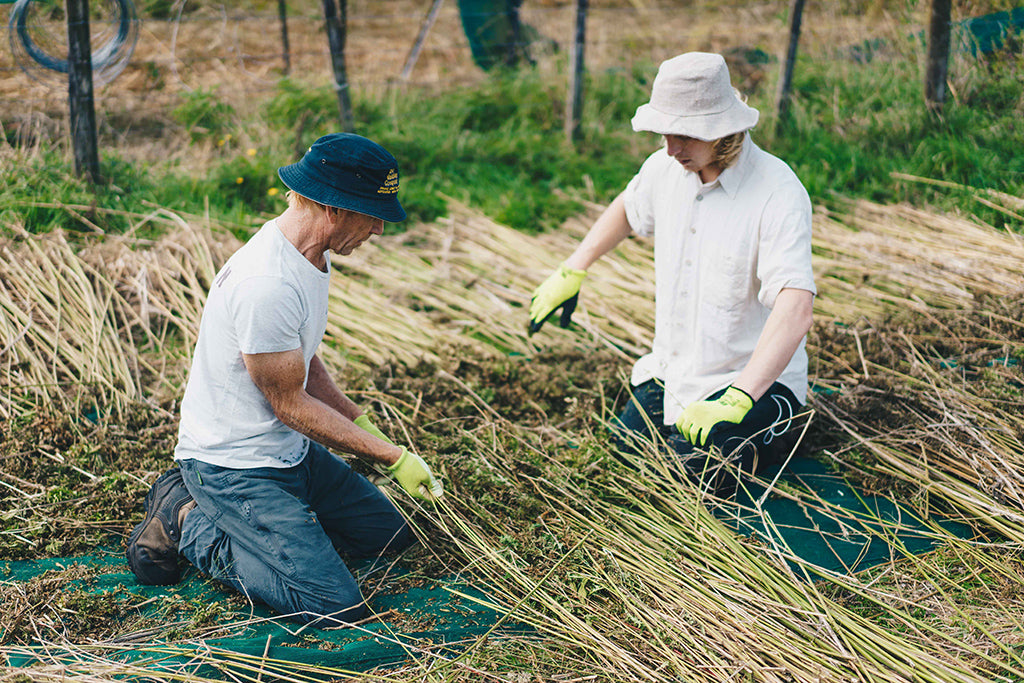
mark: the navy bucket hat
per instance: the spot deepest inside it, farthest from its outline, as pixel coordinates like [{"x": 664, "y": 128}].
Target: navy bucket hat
[{"x": 348, "y": 171}]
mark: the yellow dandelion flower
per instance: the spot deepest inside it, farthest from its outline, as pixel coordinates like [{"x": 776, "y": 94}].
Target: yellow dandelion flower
[
  {"x": 272, "y": 191},
  {"x": 251, "y": 152},
  {"x": 239, "y": 180}
]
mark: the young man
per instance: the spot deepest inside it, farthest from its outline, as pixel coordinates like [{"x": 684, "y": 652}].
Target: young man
[
  {"x": 733, "y": 279},
  {"x": 257, "y": 501}
]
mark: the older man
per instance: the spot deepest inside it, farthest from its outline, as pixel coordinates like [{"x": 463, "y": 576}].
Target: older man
[
  {"x": 257, "y": 500},
  {"x": 733, "y": 280}
]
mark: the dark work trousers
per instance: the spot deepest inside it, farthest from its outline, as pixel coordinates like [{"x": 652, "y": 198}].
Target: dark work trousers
[
  {"x": 762, "y": 439},
  {"x": 275, "y": 534}
]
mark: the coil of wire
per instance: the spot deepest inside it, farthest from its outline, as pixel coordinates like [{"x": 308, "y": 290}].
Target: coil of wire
[{"x": 38, "y": 37}]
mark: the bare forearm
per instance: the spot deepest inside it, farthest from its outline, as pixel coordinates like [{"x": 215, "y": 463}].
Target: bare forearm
[
  {"x": 320, "y": 422},
  {"x": 608, "y": 230},
  {"x": 280, "y": 377},
  {"x": 320, "y": 385},
  {"x": 786, "y": 327}
]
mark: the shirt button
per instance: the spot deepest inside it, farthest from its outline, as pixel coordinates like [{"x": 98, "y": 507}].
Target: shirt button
[
  {"x": 700, "y": 197},
  {"x": 689, "y": 262},
  {"x": 693, "y": 230}
]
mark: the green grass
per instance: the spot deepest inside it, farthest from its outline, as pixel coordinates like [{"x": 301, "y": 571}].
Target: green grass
[
  {"x": 500, "y": 146},
  {"x": 855, "y": 124}
]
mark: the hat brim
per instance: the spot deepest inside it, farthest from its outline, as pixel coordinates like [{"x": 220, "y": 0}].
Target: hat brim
[
  {"x": 737, "y": 118},
  {"x": 387, "y": 208}
]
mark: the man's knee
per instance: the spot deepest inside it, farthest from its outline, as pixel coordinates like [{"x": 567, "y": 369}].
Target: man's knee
[
  {"x": 624, "y": 440},
  {"x": 718, "y": 467},
  {"x": 319, "y": 602},
  {"x": 402, "y": 539},
  {"x": 333, "y": 614},
  {"x": 636, "y": 429}
]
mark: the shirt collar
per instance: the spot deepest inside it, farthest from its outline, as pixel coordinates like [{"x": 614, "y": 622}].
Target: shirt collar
[{"x": 731, "y": 178}]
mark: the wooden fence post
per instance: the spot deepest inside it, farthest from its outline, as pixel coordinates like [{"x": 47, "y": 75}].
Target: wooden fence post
[
  {"x": 796, "y": 12},
  {"x": 286, "y": 52},
  {"x": 515, "y": 33},
  {"x": 80, "y": 94},
  {"x": 425, "y": 27},
  {"x": 336, "y": 26},
  {"x": 937, "y": 67},
  {"x": 574, "y": 103}
]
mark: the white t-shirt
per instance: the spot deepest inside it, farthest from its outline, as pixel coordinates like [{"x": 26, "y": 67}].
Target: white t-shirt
[
  {"x": 722, "y": 253},
  {"x": 267, "y": 298}
]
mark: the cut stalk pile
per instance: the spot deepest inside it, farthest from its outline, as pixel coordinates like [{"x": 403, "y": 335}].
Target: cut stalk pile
[
  {"x": 93, "y": 321},
  {"x": 624, "y": 575}
]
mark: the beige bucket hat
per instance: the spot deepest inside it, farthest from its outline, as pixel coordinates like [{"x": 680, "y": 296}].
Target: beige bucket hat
[{"x": 692, "y": 96}]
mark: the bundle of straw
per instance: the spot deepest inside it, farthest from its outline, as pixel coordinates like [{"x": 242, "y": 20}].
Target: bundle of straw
[
  {"x": 94, "y": 320},
  {"x": 647, "y": 585},
  {"x": 643, "y": 583}
]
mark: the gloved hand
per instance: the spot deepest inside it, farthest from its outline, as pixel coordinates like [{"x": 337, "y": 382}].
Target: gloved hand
[
  {"x": 698, "y": 418},
  {"x": 364, "y": 422},
  {"x": 561, "y": 289},
  {"x": 414, "y": 475}
]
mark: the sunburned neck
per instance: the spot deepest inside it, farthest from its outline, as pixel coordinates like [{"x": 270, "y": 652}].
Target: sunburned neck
[{"x": 300, "y": 228}]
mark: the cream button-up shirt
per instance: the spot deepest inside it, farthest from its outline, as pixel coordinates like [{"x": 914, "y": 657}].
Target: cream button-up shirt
[{"x": 722, "y": 253}]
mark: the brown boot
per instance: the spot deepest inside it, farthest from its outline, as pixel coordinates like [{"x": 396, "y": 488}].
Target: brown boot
[{"x": 153, "y": 546}]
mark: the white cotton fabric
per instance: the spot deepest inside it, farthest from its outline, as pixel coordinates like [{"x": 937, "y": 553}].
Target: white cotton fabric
[
  {"x": 692, "y": 96},
  {"x": 722, "y": 253},
  {"x": 267, "y": 298}
]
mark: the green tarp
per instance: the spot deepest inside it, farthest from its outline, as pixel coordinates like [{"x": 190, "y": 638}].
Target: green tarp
[
  {"x": 819, "y": 517},
  {"x": 977, "y": 36},
  {"x": 493, "y": 29},
  {"x": 439, "y": 617},
  {"x": 812, "y": 514}
]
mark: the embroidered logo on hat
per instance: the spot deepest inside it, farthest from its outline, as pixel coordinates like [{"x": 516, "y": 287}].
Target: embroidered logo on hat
[{"x": 390, "y": 185}]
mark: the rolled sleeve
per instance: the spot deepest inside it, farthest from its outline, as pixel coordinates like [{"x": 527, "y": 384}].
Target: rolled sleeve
[
  {"x": 784, "y": 260},
  {"x": 639, "y": 197}
]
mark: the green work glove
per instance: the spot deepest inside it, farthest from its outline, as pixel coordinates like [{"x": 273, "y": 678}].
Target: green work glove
[
  {"x": 561, "y": 289},
  {"x": 414, "y": 475},
  {"x": 364, "y": 422},
  {"x": 700, "y": 417}
]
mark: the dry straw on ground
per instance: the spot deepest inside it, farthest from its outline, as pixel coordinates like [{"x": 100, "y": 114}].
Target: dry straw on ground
[{"x": 651, "y": 589}]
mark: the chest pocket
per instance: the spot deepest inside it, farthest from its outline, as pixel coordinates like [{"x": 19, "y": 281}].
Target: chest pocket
[
  {"x": 726, "y": 284},
  {"x": 728, "y": 268}
]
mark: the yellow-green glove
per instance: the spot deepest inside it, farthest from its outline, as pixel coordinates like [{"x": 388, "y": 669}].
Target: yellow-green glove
[
  {"x": 560, "y": 290},
  {"x": 414, "y": 475},
  {"x": 364, "y": 422},
  {"x": 700, "y": 417}
]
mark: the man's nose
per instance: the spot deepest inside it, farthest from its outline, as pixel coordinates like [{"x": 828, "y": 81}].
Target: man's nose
[{"x": 378, "y": 227}]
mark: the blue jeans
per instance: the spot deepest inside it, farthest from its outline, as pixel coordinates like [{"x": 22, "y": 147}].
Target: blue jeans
[
  {"x": 760, "y": 440},
  {"x": 278, "y": 535}
]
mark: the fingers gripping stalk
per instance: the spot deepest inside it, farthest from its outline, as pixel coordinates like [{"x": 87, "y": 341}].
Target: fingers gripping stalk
[
  {"x": 411, "y": 471},
  {"x": 414, "y": 475}
]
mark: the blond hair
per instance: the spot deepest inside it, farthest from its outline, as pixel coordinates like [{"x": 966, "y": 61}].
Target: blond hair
[
  {"x": 727, "y": 150},
  {"x": 298, "y": 201}
]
